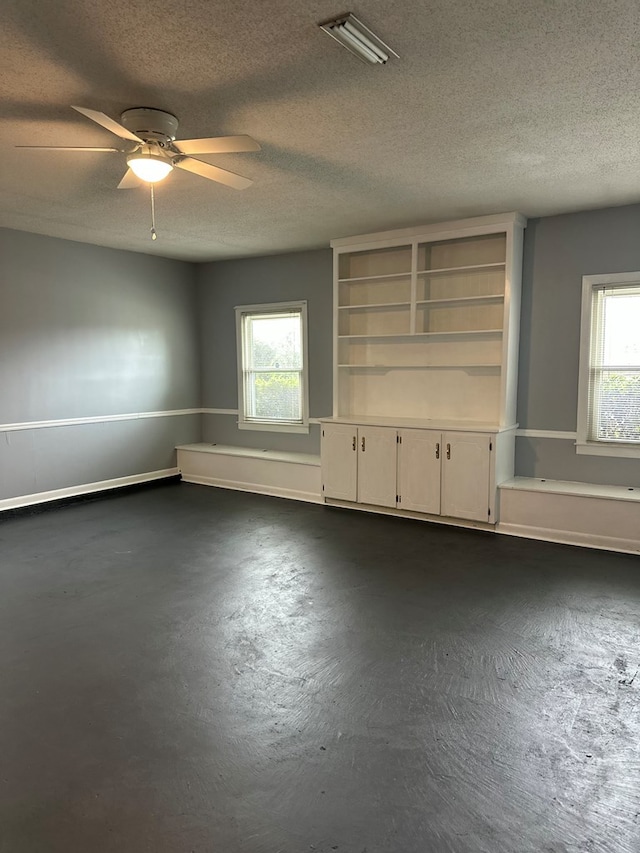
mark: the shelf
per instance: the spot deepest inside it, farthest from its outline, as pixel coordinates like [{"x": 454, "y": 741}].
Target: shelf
[
  {"x": 399, "y": 335},
  {"x": 367, "y": 305},
  {"x": 462, "y": 425},
  {"x": 472, "y": 268},
  {"x": 455, "y": 300},
  {"x": 387, "y": 276},
  {"x": 440, "y": 271},
  {"x": 463, "y": 300},
  {"x": 468, "y": 333},
  {"x": 421, "y": 366}
]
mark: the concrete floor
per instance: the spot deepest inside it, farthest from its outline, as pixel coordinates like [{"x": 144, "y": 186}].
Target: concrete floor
[{"x": 190, "y": 669}]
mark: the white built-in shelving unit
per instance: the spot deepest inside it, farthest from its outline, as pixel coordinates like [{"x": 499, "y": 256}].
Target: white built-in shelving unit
[
  {"x": 426, "y": 321},
  {"x": 426, "y": 337}
]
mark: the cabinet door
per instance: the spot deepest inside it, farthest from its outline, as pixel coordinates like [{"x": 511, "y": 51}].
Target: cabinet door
[
  {"x": 377, "y": 455},
  {"x": 466, "y": 470},
  {"x": 419, "y": 465},
  {"x": 339, "y": 460}
]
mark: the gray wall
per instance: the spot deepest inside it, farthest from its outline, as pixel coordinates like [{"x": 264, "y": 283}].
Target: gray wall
[
  {"x": 87, "y": 331},
  {"x": 559, "y": 250},
  {"x": 279, "y": 278}
]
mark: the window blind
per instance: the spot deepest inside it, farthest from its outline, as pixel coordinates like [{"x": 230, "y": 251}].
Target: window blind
[{"x": 614, "y": 368}]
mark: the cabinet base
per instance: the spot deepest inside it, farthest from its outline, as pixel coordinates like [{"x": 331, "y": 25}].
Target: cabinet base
[{"x": 417, "y": 516}]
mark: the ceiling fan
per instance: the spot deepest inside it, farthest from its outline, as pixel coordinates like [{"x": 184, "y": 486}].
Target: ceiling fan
[{"x": 153, "y": 152}]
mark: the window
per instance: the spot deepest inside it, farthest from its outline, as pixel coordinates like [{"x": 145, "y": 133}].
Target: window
[
  {"x": 272, "y": 366},
  {"x": 609, "y": 392}
]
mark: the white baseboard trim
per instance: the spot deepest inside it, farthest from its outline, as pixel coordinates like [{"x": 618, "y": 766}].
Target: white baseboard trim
[
  {"x": 85, "y": 489},
  {"x": 570, "y": 537},
  {"x": 256, "y": 488},
  {"x": 446, "y": 520}
]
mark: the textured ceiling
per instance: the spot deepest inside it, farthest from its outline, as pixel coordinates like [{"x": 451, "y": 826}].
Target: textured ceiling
[{"x": 492, "y": 106}]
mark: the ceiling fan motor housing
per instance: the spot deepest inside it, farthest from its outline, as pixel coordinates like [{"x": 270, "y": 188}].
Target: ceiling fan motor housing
[{"x": 150, "y": 124}]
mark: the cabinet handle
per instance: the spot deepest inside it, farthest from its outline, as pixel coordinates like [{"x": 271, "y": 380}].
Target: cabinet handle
[
  {"x": 354, "y": 442},
  {"x": 438, "y": 450},
  {"x": 448, "y": 451},
  {"x": 363, "y": 444}
]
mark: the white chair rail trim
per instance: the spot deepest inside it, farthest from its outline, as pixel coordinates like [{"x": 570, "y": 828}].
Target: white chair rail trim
[{"x": 96, "y": 419}]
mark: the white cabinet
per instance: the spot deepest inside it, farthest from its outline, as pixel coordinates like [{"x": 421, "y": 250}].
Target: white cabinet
[
  {"x": 419, "y": 470},
  {"x": 425, "y": 471},
  {"x": 359, "y": 464},
  {"x": 339, "y": 462},
  {"x": 377, "y": 466},
  {"x": 466, "y": 475}
]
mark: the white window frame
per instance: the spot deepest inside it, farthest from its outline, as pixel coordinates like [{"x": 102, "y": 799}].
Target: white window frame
[
  {"x": 267, "y": 308},
  {"x": 585, "y": 445}
]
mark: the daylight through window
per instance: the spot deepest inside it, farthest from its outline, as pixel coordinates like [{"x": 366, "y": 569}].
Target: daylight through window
[
  {"x": 613, "y": 413},
  {"x": 272, "y": 365}
]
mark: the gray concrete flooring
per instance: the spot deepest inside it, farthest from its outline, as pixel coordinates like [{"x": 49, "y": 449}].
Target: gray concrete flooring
[{"x": 189, "y": 669}]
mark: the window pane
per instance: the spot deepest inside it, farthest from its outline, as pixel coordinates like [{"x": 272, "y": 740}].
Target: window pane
[
  {"x": 621, "y": 330},
  {"x": 614, "y": 398},
  {"x": 274, "y": 396},
  {"x": 274, "y": 341},
  {"x": 273, "y": 375},
  {"x": 618, "y": 410}
]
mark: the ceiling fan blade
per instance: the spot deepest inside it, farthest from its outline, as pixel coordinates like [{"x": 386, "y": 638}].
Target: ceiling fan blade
[
  {"x": 130, "y": 181},
  {"x": 65, "y": 148},
  {"x": 108, "y": 123},
  {"x": 213, "y": 173},
  {"x": 217, "y": 145}
]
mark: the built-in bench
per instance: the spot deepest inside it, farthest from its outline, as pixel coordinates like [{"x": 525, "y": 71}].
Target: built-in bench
[
  {"x": 585, "y": 514},
  {"x": 270, "y": 472},
  {"x": 575, "y": 513}
]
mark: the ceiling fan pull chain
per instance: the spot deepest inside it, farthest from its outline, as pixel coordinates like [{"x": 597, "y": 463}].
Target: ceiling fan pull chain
[{"x": 154, "y": 235}]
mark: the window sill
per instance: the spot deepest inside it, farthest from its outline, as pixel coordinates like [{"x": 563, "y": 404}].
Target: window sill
[
  {"x": 596, "y": 448},
  {"x": 273, "y": 427}
]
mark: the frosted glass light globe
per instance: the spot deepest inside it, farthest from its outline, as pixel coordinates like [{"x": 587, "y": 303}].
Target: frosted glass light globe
[{"x": 149, "y": 167}]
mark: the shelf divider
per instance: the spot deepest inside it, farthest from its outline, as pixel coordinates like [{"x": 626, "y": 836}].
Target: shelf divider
[
  {"x": 491, "y": 366},
  {"x": 388, "y": 275},
  {"x": 367, "y": 305},
  {"x": 469, "y": 268},
  {"x": 454, "y": 334},
  {"x": 463, "y": 300}
]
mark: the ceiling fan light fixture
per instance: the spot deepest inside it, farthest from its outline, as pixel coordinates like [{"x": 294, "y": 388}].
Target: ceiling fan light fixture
[
  {"x": 149, "y": 164},
  {"x": 359, "y": 39},
  {"x": 154, "y": 153}
]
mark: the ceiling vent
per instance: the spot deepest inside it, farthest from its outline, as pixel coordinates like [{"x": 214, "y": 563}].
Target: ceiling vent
[{"x": 352, "y": 34}]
